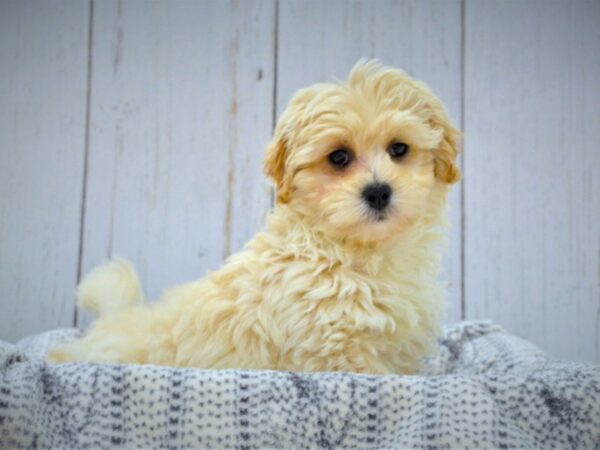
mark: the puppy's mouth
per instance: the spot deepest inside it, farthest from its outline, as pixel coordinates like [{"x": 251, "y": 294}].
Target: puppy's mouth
[{"x": 378, "y": 216}]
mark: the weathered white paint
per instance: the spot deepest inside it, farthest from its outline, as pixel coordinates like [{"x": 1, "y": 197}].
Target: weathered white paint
[
  {"x": 181, "y": 107},
  {"x": 43, "y": 61},
  {"x": 322, "y": 40},
  {"x": 532, "y": 183},
  {"x": 181, "y": 110}
]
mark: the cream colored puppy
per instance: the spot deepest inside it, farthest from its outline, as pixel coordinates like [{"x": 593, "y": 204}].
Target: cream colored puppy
[{"x": 343, "y": 278}]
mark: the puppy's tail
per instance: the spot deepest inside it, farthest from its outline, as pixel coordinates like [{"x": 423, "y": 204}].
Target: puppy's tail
[{"x": 110, "y": 288}]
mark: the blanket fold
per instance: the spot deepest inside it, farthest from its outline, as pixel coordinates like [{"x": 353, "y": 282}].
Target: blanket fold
[{"x": 484, "y": 389}]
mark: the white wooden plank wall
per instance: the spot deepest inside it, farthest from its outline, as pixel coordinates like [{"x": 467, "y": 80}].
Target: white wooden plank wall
[
  {"x": 532, "y": 171},
  {"x": 136, "y": 128},
  {"x": 177, "y": 127},
  {"x": 43, "y": 53}
]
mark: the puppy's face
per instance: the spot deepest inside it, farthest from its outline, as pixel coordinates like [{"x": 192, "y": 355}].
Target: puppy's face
[{"x": 362, "y": 159}]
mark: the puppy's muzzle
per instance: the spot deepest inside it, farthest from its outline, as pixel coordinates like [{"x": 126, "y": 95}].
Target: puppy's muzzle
[{"x": 377, "y": 195}]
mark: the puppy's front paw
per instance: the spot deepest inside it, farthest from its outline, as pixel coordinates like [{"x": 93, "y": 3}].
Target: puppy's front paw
[
  {"x": 64, "y": 353},
  {"x": 58, "y": 355}
]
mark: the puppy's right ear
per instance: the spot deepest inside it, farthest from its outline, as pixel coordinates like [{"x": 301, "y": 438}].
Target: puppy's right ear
[
  {"x": 277, "y": 158},
  {"x": 275, "y": 166}
]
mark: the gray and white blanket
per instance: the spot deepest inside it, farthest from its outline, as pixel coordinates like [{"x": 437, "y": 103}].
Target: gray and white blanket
[{"x": 484, "y": 389}]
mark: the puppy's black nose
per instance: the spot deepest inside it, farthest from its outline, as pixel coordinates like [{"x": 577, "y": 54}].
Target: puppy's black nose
[{"x": 377, "y": 195}]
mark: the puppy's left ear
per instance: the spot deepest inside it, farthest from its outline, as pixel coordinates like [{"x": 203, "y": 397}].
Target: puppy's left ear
[{"x": 445, "y": 164}]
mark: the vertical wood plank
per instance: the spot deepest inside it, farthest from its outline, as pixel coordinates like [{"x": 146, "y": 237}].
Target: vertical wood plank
[
  {"x": 43, "y": 49},
  {"x": 532, "y": 186},
  {"x": 320, "y": 41},
  {"x": 181, "y": 110}
]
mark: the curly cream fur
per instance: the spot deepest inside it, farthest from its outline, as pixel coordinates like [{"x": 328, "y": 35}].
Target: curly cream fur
[{"x": 326, "y": 287}]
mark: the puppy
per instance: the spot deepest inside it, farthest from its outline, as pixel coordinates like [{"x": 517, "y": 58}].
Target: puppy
[{"x": 344, "y": 276}]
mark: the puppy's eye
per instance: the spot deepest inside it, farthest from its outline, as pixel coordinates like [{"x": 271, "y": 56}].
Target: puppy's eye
[
  {"x": 397, "y": 150},
  {"x": 340, "y": 158}
]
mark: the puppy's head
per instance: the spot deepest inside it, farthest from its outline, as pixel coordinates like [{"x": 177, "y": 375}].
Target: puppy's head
[{"x": 365, "y": 158}]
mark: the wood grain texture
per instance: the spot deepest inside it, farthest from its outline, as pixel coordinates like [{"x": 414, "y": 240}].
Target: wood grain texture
[
  {"x": 43, "y": 54},
  {"x": 181, "y": 110},
  {"x": 322, "y": 40},
  {"x": 181, "y": 106},
  {"x": 532, "y": 199}
]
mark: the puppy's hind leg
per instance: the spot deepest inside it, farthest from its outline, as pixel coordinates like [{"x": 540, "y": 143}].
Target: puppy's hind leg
[
  {"x": 132, "y": 336},
  {"x": 112, "y": 292}
]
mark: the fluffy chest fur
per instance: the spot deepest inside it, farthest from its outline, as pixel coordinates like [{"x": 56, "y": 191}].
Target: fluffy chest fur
[{"x": 290, "y": 303}]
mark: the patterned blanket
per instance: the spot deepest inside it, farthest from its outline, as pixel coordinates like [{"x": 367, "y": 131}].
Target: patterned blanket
[{"x": 484, "y": 389}]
